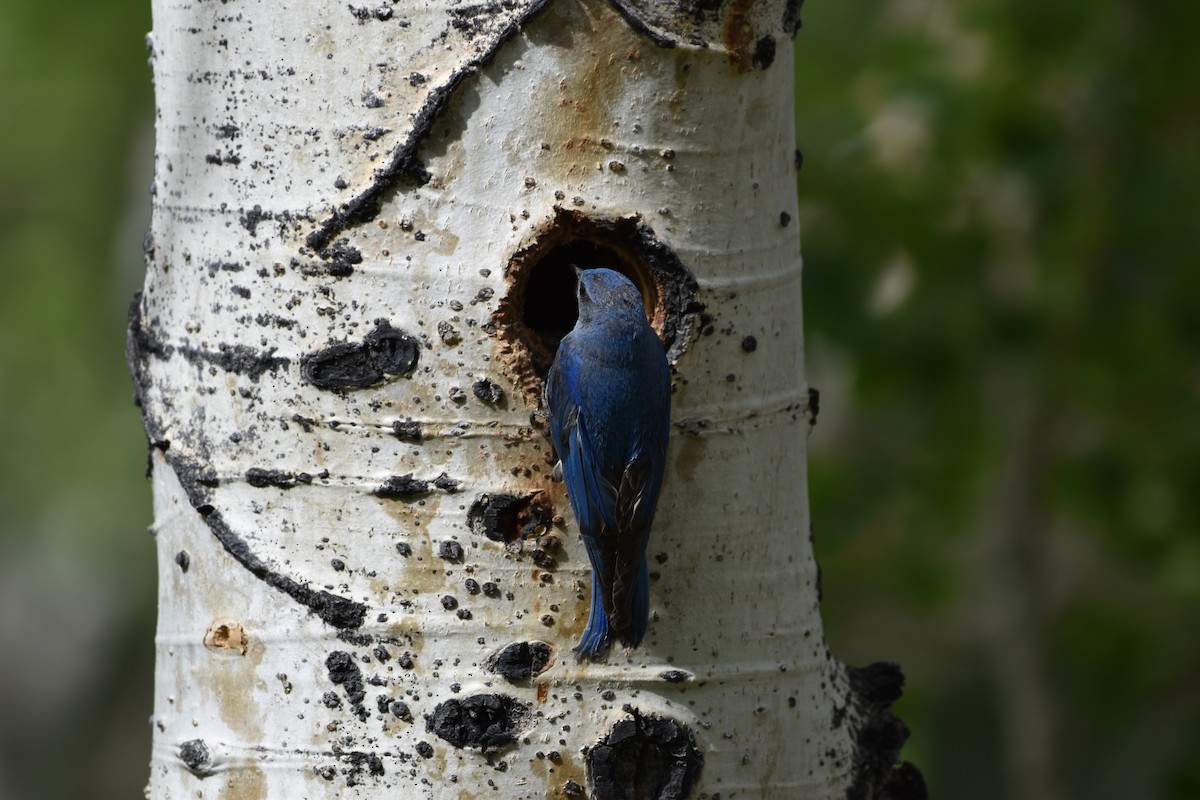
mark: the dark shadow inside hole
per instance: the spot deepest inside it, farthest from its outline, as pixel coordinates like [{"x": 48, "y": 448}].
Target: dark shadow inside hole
[{"x": 550, "y": 305}]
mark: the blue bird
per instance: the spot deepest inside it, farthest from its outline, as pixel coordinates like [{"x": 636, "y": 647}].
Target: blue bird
[{"x": 608, "y": 394}]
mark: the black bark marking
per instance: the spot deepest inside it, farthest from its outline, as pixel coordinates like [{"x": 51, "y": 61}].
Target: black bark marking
[
  {"x": 239, "y": 359},
  {"x": 645, "y": 757},
  {"x": 260, "y": 478},
  {"x": 703, "y": 24},
  {"x": 357, "y": 761},
  {"x": 447, "y": 484},
  {"x": 508, "y": 518},
  {"x": 342, "y": 258},
  {"x": 881, "y": 735},
  {"x": 195, "y": 756},
  {"x": 223, "y": 266},
  {"x": 402, "y": 487},
  {"x": 332, "y": 609},
  {"x": 404, "y": 164},
  {"x": 639, "y": 25},
  {"x": 764, "y": 52},
  {"x": 905, "y": 783},
  {"x": 401, "y": 710},
  {"x": 791, "y": 17},
  {"x": 450, "y": 550},
  {"x": 520, "y": 660},
  {"x": 383, "y": 352},
  {"x": 364, "y": 14},
  {"x": 218, "y": 160},
  {"x": 197, "y": 480},
  {"x": 345, "y": 673},
  {"x": 251, "y": 218},
  {"x": 483, "y": 721},
  {"x": 488, "y": 391},
  {"x": 407, "y": 430}
]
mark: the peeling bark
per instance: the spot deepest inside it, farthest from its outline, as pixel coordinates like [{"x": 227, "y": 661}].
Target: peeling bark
[{"x": 370, "y": 582}]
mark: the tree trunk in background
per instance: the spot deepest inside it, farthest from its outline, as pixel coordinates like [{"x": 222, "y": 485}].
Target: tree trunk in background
[{"x": 357, "y": 273}]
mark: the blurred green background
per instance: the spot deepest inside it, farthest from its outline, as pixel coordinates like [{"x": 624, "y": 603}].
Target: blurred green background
[{"x": 998, "y": 205}]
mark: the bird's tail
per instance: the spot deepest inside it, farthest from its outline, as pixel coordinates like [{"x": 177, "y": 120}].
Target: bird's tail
[
  {"x": 620, "y": 610},
  {"x": 596, "y": 636}
]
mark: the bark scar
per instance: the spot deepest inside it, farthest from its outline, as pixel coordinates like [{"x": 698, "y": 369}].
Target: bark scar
[
  {"x": 197, "y": 481},
  {"x": 405, "y": 165}
]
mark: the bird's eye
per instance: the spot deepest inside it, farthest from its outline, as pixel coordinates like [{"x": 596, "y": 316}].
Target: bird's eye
[{"x": 582, "y": 292}]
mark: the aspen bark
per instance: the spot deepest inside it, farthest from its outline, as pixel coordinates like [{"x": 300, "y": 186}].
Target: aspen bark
[{"x": 370, "y": 585}]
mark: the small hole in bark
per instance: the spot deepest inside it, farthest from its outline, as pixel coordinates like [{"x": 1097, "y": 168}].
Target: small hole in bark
[
  {"x": 227, "y": 636},
  {"x": 547, "y": 298},
  {"x": 540, "y": 308}
]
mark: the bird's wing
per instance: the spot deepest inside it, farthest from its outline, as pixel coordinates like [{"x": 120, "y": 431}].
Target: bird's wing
[
  {"x": 559, "y": 403},
  {"x": 636, "y": 497},
  {"x": 592, "y": 497},
  {"x": 637, "y": 489},
  {"x": 637, "y": 493}
]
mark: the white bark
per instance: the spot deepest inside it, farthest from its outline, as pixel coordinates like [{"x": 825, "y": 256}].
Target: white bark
[{"x": 275, "y": 552}]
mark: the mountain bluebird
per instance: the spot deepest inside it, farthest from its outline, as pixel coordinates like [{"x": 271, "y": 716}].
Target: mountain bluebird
[{"x": 609, "y": 398}]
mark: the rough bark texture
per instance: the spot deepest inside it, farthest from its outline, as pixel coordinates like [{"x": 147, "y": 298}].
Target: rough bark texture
[{"x": 370, "y": 584}]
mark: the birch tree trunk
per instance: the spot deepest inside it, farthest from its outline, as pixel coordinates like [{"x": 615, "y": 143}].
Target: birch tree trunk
[{"x": 357, "y": 273}]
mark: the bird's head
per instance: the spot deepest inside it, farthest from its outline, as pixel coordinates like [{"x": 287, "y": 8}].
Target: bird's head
[{"x": 604, "y": 290}]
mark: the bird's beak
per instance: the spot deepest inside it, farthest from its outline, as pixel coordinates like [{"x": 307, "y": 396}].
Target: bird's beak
[{"x": 578, "y": 271}]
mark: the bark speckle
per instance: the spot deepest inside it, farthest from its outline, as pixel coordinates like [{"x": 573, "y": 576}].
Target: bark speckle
[
  {"x": 407, "y": 430},
  {"x": 450, "y": 550},
  {"x": 488, "y": 391},
  {"x": 196, "y": 757}
]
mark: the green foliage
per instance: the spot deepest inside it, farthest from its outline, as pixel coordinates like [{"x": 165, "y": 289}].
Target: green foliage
[
  {"x": 997, "y": 208},
  {"x": 76, "y": 565}
]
